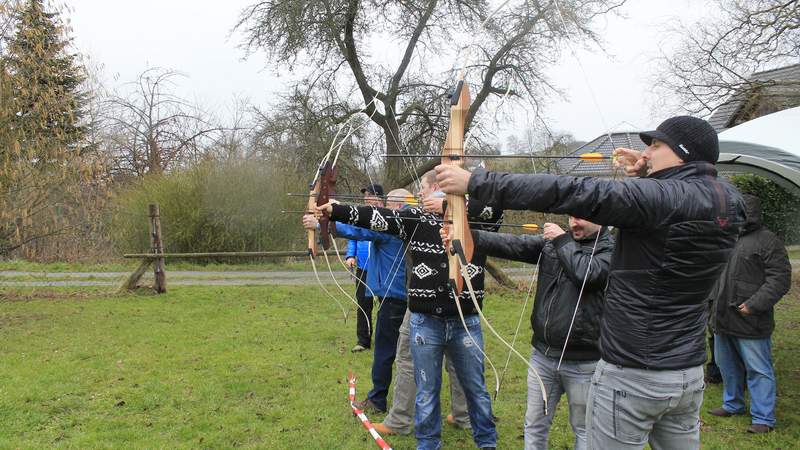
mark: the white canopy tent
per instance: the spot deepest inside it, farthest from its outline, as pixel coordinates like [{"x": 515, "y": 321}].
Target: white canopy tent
[{"x": 765, "y": 146}]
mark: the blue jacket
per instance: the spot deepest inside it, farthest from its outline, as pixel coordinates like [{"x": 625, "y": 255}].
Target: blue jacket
[
  {"x": 386, "y": 269},
  {"x": 359, "y": 250}
]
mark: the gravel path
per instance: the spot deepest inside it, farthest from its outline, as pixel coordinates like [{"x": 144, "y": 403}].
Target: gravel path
[{"x": 201, "y": 278}]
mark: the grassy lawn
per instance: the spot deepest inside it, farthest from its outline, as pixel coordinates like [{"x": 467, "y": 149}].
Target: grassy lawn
[{"x": 255, "y": 367}]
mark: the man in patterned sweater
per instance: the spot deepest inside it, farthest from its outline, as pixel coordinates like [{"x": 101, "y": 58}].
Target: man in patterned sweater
[{"x": 436, "y": 326}]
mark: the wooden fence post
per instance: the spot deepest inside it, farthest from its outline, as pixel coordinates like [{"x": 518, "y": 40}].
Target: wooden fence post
[
  {"x": 133, "y": 279},
  {"x": 157, "y": 247}
]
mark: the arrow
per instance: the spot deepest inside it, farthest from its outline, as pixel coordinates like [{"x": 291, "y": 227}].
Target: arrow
[{"x": 591, "y": 157}]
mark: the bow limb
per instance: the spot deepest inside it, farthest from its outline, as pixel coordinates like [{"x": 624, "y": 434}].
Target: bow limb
[
  {"x": 534, "y": 279},
  {"x": 322, "y": 186},
  {"x": 338, "y": 285},
  {"x": 456, "y": 211},
  {"x": 316, "y": 274},
  {"x": 519, "y": 321},
  {"x": 310, "y": 207},
  {"x": 474, "y": 342}
]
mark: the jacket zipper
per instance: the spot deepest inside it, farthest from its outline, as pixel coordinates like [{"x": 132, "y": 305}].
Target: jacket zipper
[
  {"x": 549, "y": 307},
  {"x": 614, "y": 412}
]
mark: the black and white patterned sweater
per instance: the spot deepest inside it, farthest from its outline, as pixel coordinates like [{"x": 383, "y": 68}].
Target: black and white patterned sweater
[{"x": 429, "y": 289}]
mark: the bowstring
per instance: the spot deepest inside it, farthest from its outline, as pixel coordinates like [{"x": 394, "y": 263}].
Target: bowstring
[{"x": 599, "y": 110}]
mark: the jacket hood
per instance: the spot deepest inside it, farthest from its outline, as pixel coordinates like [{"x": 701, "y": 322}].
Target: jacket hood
[{"x": 753, "y": 208}]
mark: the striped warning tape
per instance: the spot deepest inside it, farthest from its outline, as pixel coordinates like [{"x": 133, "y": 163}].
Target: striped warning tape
[{"x": 351, "y": 395}]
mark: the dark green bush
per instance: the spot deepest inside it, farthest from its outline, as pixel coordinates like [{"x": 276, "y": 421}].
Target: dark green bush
[{"x": 780, "y": 208}]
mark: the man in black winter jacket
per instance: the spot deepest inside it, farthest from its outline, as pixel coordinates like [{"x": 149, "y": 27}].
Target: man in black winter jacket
[
  {"x": 677, "y": 226},
  {"x": 756, "y": 278},
  {"x": 563, "y": 261}
]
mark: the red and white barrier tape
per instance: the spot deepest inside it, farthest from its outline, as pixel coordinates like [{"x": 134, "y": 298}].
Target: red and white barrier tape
[{"x": 351, "y": 395}]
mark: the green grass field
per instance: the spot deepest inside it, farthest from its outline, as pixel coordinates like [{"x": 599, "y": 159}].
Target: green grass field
[{"x": 253, "y": 367}]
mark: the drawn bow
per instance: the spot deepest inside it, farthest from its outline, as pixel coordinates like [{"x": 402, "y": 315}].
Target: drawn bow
[{"x": 461, "y": 248}]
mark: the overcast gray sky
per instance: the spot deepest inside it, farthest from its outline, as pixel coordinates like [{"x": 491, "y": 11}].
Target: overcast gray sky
[{"x": 193, "y": 37}]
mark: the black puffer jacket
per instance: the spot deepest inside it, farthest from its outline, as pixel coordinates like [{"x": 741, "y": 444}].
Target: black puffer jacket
[
  {"x": 677, "y": 228},
  {"x": 562, "y": 268},
  {"x": 758, "y": 275}
]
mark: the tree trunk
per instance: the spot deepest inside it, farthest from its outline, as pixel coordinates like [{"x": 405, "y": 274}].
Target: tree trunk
[{"x": 395, "y": 176}]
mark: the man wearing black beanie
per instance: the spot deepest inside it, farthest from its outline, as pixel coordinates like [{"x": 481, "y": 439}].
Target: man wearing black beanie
[{"x": 678, "y": 223}]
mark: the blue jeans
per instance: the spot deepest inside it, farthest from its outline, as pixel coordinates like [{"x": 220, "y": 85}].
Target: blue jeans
[
  {"x": 431, "y": 338},
  {"x": 387, "y": 330},
  {"x": 739, "y": 356}
]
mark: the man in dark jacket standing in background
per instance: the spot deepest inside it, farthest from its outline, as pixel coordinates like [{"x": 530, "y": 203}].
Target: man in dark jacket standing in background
[
  {"x": 756, "y": 278},
  {"x": 678, "y": 223},
  {"x": 357, "y": 254},
  {"x": 563, "y": 260}
]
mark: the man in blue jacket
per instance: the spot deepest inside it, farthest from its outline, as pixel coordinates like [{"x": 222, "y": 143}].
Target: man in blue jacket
[
  {"x": 386, "y": 277},
  {"x": 357, "y": 255}
]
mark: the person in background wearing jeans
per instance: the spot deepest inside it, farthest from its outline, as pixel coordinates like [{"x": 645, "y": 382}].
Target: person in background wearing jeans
[
  {"x": 400, "y": 418},
  {"x": 357, "y": 255},
  {"x": 387, "y": 279},
  {"x": 678, "y": 223},
  {"x": 436, "y": 327},
  {"x": 564, "y": 259},
  {"x": 756, "y": 278}
]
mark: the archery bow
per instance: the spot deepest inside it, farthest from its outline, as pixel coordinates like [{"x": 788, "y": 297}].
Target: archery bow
[
  {"x": 319, "y": 190},
  {"x": 461, "y": 247},
  {"x": 455, "y": 213}
]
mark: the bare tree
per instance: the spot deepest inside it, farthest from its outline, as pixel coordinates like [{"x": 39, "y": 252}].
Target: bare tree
[
  {"x": 233, "y": 141},
  {"x": 291, "y": 134},
  {"x": 151, "y": 130},
  {"x": 717, "y": 58},
  {"x": 329, "y": 41}
]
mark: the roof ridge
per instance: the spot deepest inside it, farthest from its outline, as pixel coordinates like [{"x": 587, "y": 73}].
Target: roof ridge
[{"x": 763, "y": 72}]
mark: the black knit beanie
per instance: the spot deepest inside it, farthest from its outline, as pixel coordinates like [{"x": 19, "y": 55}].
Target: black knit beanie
[{"x": 692, "y": 139}]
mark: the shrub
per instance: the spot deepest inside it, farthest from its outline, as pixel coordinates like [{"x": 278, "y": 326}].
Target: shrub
[
  {"x": 233, "y": 206},
  {"x": 780, "y": 208}
]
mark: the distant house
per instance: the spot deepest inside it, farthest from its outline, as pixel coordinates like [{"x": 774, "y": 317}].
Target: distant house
[
  {"x": 761, "y": 94},
  {"x": 604, "y": 144}
]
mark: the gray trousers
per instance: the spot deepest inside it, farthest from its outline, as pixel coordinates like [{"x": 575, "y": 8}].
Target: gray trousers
[
  {"x": 401, "y": 414},
  {"x": 629, "y": 407},
  {"x": 574, "y": 378}
]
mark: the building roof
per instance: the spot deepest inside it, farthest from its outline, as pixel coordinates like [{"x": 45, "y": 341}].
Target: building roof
[
  {"x": 604, "y": 144},
  {"x": 724, "y": 115}
]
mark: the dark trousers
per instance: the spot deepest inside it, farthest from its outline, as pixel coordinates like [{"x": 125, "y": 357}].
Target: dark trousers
[
  {"x": 712, "y": 370},
  {"x": 364, "y": 298},
  {"x": 387, "y": 331}
]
